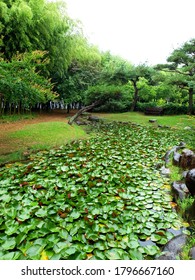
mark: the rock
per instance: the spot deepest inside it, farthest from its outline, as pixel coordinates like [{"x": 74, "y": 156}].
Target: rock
[
  {"x": 187, "y": 128},
  {"x": 176, "y": 244},
  {"x": 167, "y": 256},
  {"x": 190, "y": 213},
  {"x": 146, "y": 243},
  {"x": 176, "y": 157},
  {"x": 192, "y": 253},
  {"x": 180, "y": 190},
  {"x": 184, "y": 174},
  {"x": 152, "y": 120},
  {"x": 190, "y": 181},
  {"x": 93, "y": 118},
  {"x": 158, "y": 165},
  {"x": 187, "y": 159},
  {"x": 175, "y": 232},
  {"x": 81, "y": 123},
  {"x": 165, "y": 171},
  {"x": 182, "y": 145}
]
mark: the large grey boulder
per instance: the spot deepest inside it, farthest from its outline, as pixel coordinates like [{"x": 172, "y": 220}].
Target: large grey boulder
[
  {"x": 190, "y": 181},
  {"x": 167, "y": 256},
  {"x": 173, "y": 248},
  {"x": 187, "y": 159},
  {"x": 180, "y": 190},
  {"x": 176, "y": 244}
]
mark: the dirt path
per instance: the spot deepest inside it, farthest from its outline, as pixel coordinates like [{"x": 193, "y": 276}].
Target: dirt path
[{"x": 6, "y": 128}]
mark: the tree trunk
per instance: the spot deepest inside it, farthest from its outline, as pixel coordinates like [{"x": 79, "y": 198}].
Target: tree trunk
[
  {"x": 68, "y": 108},
  {"x": 135, "y": 98},
  {"x": 190, "y": 107},
  {"x": 85, "y": 109}
]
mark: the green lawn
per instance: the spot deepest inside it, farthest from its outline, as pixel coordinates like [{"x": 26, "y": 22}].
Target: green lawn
[
  {"x": 39, "y": 136},
  {"x": 179, "y": 121},
  {"x": 46, "y": 135}
]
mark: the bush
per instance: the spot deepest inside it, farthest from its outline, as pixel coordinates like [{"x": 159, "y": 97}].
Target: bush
[
  {"x": 114, "y": 106},
  {"x": 141, "y": 107},
  {"x": 168, "y": 109},
  {"x": 113, "y": 98},
  {"x": 174, "y": 109}
]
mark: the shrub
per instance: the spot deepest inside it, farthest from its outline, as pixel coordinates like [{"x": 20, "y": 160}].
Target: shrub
[
  {"x": 174, "y": 109},
  {"x": 113, "y": 98},
  {"x": 168, "y": 109}
]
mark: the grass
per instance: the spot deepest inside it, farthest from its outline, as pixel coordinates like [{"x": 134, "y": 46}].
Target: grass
[
  {"x": 15, "y": 118},
  {"x": 40, "y": 136},
  {"x": 175, "y": 173},
  {"x": 179, "y": 121},
  {"x": 46, "y": 135}
]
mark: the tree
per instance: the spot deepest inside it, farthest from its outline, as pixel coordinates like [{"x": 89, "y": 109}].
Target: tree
[
  {"x": 21, "y": 85},
  {"x": 97, "y": 96},
  {"x": 120, "y": 72},
  {"x": 26, "y": 26},
  {"x": 136, "y": 74},
  {"x": 182, "y": 63},
  {"x": 82, "y": 72}
]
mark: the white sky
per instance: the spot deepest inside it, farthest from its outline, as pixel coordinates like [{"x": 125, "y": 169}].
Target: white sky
[{"x": 137, "y": 30}]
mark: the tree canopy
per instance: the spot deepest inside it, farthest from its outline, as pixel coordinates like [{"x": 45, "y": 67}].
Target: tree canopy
[
  {"x": 77, "y": 70},
  {"x": 182, "y": 63}
]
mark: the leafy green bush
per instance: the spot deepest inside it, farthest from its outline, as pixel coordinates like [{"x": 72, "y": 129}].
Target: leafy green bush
[
  {"x": 114, "y": 106},
  {"x": 141, "y": 107},
  {"x": 112, "y": 98},
  {"x": 174, "y": 109},
  {"x": 168, "y": 109}
]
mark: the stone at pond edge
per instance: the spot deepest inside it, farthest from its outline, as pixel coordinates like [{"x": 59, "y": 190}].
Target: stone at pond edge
[
  {"x": 180, "y": 190},
  {"x": 190, "y": 213},
  {"x": 176, "y": 158},
  {"x": 187, "y": 159},
  {"x": 165, "y": 171},
  {"x": 190, "y": 181},
  {"x": 152, "y": 120},
  {"x": 184, "y": 173},
  {"x": 93, "y": 118},
  {"x": 192, "y": 253},
  {"x": 176, "y": 244},
  {"x": 167, "y": 256}
]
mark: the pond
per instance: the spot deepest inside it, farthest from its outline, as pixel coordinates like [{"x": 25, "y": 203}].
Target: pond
[{"x": 100, "y": 198}]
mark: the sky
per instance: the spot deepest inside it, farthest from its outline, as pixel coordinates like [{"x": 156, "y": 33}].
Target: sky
[{"x": 141, "y": 31}]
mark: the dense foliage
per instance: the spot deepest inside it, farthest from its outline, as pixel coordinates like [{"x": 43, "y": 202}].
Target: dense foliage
[
  {"x": 74, "y": 65},
  {"x": 94, "y": 199},
  {"x": 21, "y": 84}
]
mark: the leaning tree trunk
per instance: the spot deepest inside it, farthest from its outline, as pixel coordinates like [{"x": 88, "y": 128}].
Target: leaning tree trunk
[{"x": 85, "y": 109}]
